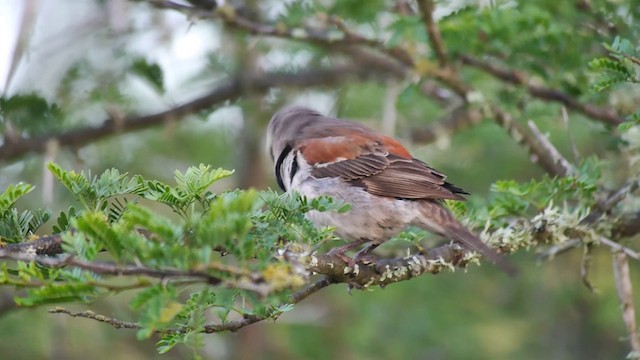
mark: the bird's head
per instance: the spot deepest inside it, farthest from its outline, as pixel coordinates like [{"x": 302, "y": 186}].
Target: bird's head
[{"x": 287, "y": 126}]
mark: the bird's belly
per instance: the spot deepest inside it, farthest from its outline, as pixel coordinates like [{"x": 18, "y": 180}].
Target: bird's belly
[{"x": 371, "y": 217}]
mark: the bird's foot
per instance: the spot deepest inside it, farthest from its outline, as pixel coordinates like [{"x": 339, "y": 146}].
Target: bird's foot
[
  {"x": 341, "y": 250},
  {"x": 362, "y": 256}
]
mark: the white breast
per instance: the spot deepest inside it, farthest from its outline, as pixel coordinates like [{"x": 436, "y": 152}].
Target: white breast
[{"x": 371, "y": 217}]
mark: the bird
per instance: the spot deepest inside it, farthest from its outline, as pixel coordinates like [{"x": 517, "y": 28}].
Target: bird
[{"x": 388, "y": 189}]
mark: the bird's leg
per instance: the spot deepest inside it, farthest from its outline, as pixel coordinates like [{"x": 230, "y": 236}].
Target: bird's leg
[
  {"x": 369, "y": 247},
  {"x": 340, "y": 250}
]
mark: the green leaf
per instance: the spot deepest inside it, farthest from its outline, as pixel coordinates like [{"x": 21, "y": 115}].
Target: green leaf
[
  {"x": 159, "y": 307},
  {"x": 140, "y": 217},
  {"x": 57, "y": 293},
  {"x": 31, "y": 113},
  {"x": 95, "y": 227},
  {"x": 168, "y": 341},
  {"x": 228, "y": 221},
  {"x": 611, "y": 65},
  {"x": 12, "y": 194},
  {"x": 64, "y": 220},
  {"x": 149, "y": 71}
]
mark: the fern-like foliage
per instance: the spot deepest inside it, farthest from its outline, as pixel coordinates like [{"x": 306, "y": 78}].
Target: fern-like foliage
[
  {"x": 16, "y": 225},
  {"x": 620, "y": 67},
  {"x": 246, "y": 226}
]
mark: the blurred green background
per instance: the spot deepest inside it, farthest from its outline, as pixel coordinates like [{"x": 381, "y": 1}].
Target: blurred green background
[{"x": 98, "y": 59}]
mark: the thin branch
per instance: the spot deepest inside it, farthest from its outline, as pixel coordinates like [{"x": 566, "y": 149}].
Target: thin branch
[
  {"x": 585, "y": 267},
  {"x": 118, "y": 324},
  {"x": 230, "y": 90},
  {"x": 558, "y": 249},
  {"x": 538, "y": 147},
  {"x": 619, "y": 248},
  {"x": 108, "y": 268},
  {"x": 234, "y": 20},
  {"x": 251, "y": 319},
  {"x": 210, "y": 328},
  {"x": 551, "y": 150},
  {"x": 426, "y": 9},
  {"x": 625, "y": 295},
  {"x": 619, "y": 195},
  {"x": 608, "y": 116},
  {"x": 310, "y": 289}
]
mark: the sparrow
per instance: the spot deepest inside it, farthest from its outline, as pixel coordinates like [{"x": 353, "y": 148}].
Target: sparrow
[{"x": 387, "y": 187}]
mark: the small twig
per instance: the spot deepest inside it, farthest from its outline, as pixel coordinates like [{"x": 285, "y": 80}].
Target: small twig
[
  {"x": 118, "y": 324},
  {"x": 251, "y": 319},
  {"x": 585, "y": 266},
  {"x": 310, "y": 289},
  {"x": 625, "y": 295},
  {"x": 619, "y": 248},
  {"x": 211, "y": 328},
  {"x": 551, "y": 150},
  {"x": 554, "y": 250},
  {"x": 619, "y": 195},
  {"x": 426, "y": 9},
  {"x": 542, "y": 152},
  {"x": 631, "y": 58}
]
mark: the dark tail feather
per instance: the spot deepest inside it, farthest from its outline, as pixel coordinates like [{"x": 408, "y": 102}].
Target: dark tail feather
[
  {"x": 472, "y": 242},
  {"x": 436, "y": 218}
]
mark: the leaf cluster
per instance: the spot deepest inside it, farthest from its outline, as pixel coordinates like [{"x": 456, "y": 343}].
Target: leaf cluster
[{"x": 218, "y": 255}]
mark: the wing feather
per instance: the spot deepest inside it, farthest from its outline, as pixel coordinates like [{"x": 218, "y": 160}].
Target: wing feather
[{"x": 369, "y": 164}]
